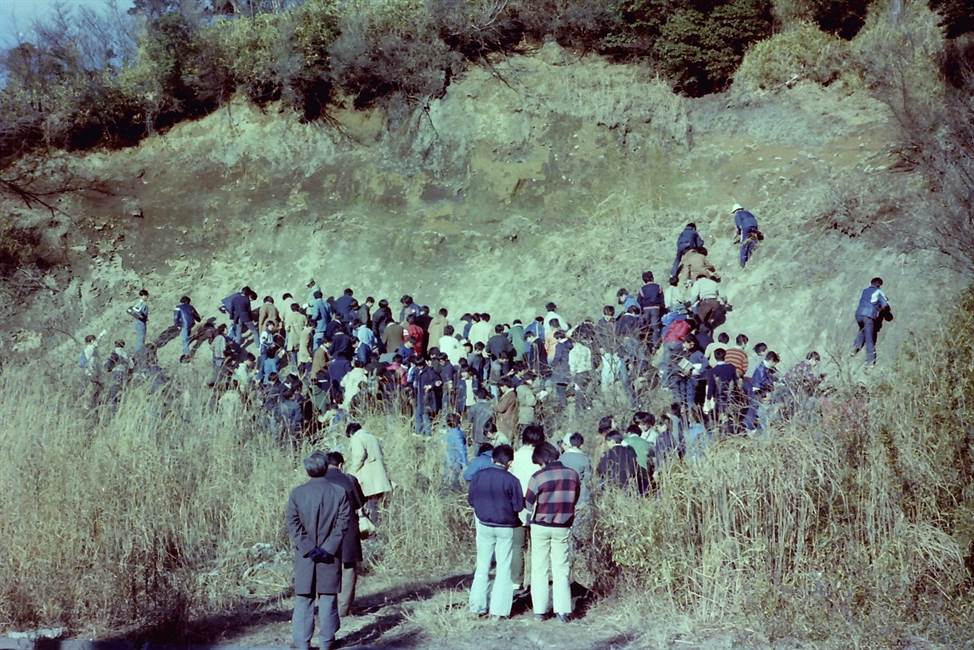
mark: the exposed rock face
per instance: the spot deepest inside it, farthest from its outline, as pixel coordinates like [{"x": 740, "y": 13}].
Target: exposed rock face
[{"x": 547, "y": 176}]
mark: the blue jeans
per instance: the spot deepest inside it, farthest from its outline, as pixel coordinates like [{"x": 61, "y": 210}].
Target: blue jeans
[
  {"x": 424, "y": 425},
  {"x": 651, "y": 316},
  {"x": 497, "y": 543},
  {"x": 140, "y": 330},
  {"x": 236, "y": 332},
  {"x": 747, "y": 248},
  {"x": 185, "y": 336},
  {"x": 867, "y": 336}
]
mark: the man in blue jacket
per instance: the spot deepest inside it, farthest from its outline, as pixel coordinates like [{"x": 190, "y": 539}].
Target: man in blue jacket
[
  {"x": 343, "y": 306},
  {"x": 872, "y": 306},
  {"x": 321, "y": 316},
  {"x": 184, "y": 317},
  {"x": 241, "y": 316},
  {"x": 761, "y": 387},
  {"x": 652, "y": 304},
  {"x": 497, "y": 499},
  {"x": 747, "y": 230},
  {"x": 688, "y": 240}
]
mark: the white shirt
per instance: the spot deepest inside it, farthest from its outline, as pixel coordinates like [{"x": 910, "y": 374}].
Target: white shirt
[
  {"x": 553, "y": 315},
  {"x": 579, "y": 358},
  {"x": 480, "y": 332},
  {"x": 705, "y": 289},
  {"x": 522, "y": 467},
  {"x": 452, "y": 348}
]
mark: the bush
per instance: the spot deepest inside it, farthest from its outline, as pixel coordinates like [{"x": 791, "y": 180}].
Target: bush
[
  {"x": 697, "y": 44},
  {"x": 390, "y": 48},
  {"x": 581, "y": 24},
  {"x": 803, "y": 52}
]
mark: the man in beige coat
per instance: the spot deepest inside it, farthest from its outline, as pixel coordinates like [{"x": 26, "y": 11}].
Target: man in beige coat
[
  {"x": 365, "y": 463},
  {"x": 694, "y": 262}
]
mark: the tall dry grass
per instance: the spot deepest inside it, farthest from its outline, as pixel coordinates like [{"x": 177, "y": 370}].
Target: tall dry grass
[{"x": 859, "y": 516}]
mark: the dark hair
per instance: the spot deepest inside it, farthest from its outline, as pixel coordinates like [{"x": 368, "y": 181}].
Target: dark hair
[
  {"x": 443, "y": 312},
  {"x": 316, "y": 464},
  {"x": 605, "y": 423},
  {"x": 876, "y": 282},
  {"x": 448, "y": 330},
  {"x": 551, "y": 306},
  {"x": 692, "y": 225},
  {"x": 485, "y": 317},
  {"x": 349, "y": 292},
  {"x": 576, "y": 439},
  {"x": 647, "y": 276},
  {"x": 645, "y": 417},
  {"x": 621, "y": 292},
  {"x": 502, "y": 454},
  {"x": 613, "y": 436},
  {"x": 317, "y": 294},
  {"x": 674, "y": 280},
  {"x": 143, "y": 292},
  {"x": 760, "y": 347},
  {"x": 532, "y": 435},
  {"x": 813, "y": 355},
  {"x": 335, "y": 458},
  {"x": 723, "y": 337},
  {"x": 544, "y": 454},
  {"x": 741, "y": 339},
  {"x": 633, "y": 429},
  {"x": 268, "y": 299},
  {"x": 772, "y": 356},
  {"x": 453, "y": 420},
  {"x": 286, "y": 296},
  {"x": 351, "y": 428},
  {"x": 498, "y": 329},
  {"x": 185, "y": 300},
  {"x": 609, "y": 310},
  {"x": 484, "y": 448}
]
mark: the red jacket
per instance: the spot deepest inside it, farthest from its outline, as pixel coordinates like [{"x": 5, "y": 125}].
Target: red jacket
[
  {"x": 416, "y": 335},
  {"x": 677, "y": 332}
]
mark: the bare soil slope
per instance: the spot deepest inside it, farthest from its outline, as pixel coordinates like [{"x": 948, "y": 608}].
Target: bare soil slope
[{"x": 548, "y": 177}]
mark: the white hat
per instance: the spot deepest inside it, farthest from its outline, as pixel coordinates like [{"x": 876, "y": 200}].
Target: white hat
[{"x": 737, "y": 206}]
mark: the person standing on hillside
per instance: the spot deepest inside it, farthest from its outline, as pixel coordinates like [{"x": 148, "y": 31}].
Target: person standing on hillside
[
  {"x": 185, "y": 317},
  {"x": 351, "y": 553},
  {"x": 497, "y": 501},
  {"x": 693, "y": 264},
  {"x": 140, "y": 312},
  {"x": 872, "y": 307},
  {"x": 552, "y": 494},
  {"x": 317, "y": 517},
  {"x": 523, "y": 467},
  {"x": 652, "y": 304},
  {"x": 366, "y": 463},
  {"x": 688, "y": 240},
  {"x": 619, "y": 466},
  {"x": 321, "y": 315},
  {"x": 238, "y": 308},
  {"x": 761, "y": 387},
  {"x": 268, "y": 313},
  {"x": 747, "y": 232}
]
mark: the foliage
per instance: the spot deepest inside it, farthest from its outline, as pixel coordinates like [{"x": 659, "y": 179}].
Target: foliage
[
  {"x": 802, "y": 52},
  {"x": 698, "y": 44}
]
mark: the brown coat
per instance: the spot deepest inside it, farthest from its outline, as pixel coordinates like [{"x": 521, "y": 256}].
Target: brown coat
[
  {"x": 693, "y": 264},
  {"x": 506, "y": 413},
  {"x": 267, "y": 312},
  {"x": 392, "y": 337}
]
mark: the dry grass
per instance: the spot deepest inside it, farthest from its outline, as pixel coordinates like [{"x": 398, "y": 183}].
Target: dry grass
[{"x": 835, "y": 525}]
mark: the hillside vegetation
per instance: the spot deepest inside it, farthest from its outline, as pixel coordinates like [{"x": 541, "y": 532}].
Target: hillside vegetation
[{"x": 494, "y": 155}]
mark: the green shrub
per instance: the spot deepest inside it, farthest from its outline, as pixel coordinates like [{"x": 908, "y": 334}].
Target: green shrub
[
  {"x": 803, "y": 51},
  {"x": 581, "y": 24},
  {"x": 700, "y": 50},
  {"x": 390, "y": 48}
]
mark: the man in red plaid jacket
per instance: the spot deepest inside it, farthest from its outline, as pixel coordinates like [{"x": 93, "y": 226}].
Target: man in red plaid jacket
[{"x": 552, "y": 494}]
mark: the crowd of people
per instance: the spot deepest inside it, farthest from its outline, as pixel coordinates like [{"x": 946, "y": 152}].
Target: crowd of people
[{"x": 300, "y": 363}]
